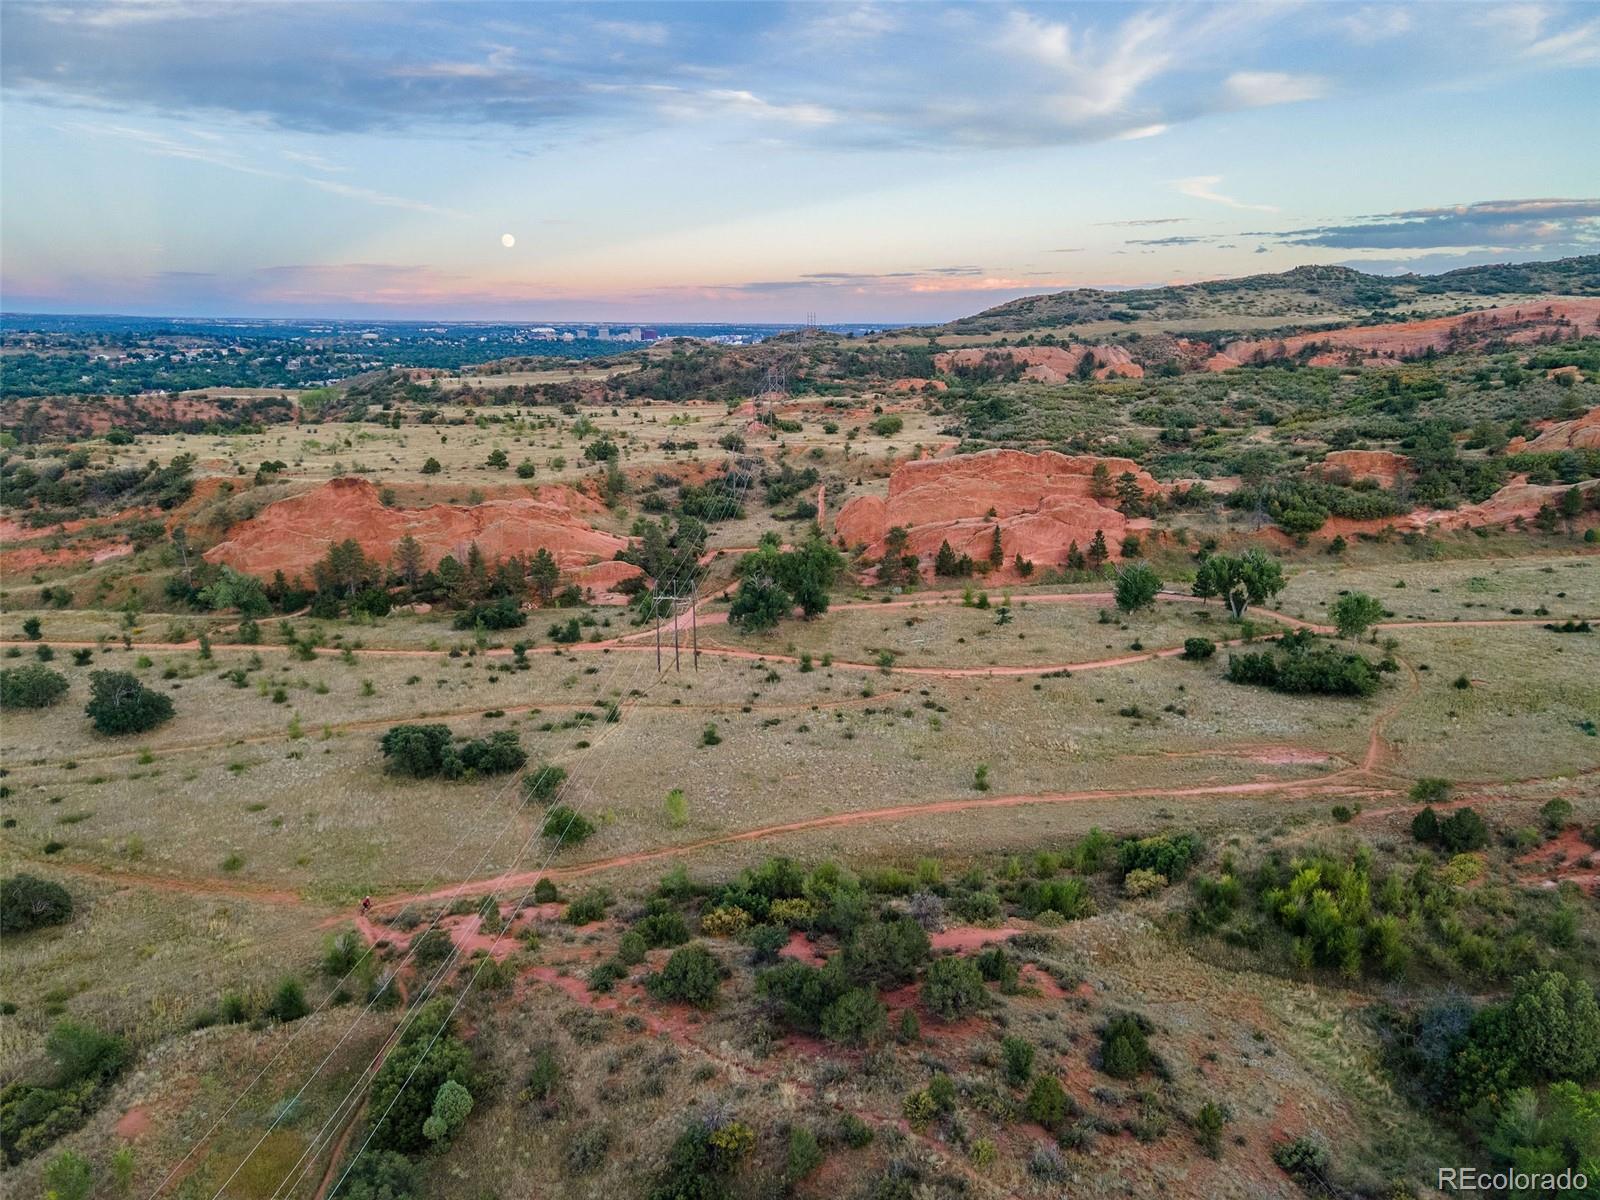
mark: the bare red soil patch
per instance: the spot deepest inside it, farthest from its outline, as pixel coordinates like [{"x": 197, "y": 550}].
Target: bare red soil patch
[
  {"x": 292, "y": 534},
  {"x": 1041, "y": 504}
]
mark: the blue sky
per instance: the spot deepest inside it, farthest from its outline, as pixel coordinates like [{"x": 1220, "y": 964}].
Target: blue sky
[{"x": 761, "y": 161}]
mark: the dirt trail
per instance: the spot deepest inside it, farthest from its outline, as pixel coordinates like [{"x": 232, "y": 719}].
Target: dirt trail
[
  {"x": 175, "y": 883},
  {"x": 1325, "y": 784}
]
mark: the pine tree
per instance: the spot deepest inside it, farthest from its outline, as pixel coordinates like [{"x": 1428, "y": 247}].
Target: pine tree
[
  {"x": 997, "y": 554},
  {"x": 892, "y": 570},
  {"x": 1098, "y": 552},
  {"x": 946, "y": 563},
  {"x": 477, "y": 572},
  {"x": 453, "y": 580},
  {"x": 545, "y": 575},
  {"x": 408, "y": 561},
  {"x": 1075, "y": 560},
  {"x": 1130, "y": 496},
  {"x": 1100, "y": 485}
]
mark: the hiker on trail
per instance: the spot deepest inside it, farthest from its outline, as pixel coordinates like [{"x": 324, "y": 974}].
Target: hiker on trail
[{"x": 366, "y": 905}]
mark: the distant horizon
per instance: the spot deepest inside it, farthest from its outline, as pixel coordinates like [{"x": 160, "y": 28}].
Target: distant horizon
[
  {"x": 655, "y": 322},
  {"x": 628, "y": 323}
]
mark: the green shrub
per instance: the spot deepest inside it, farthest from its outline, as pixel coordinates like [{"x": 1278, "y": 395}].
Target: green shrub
[
  {"x": 1430, "y": 790},
  {"x": 541, "y": 785},
  {"x": 1047, "y": 1102},
  {"x": 1301, "y": 666},
  {"x": 805, "y": 1156},
  {"x": 1463, "y": 830},
  {"x": 452, "y": 1104},
  {"x": 802, "y": 993},
  {"x": 28, "y": 902},
  {"x": 288, "y": 1003},
  {"x": 566, "y": 826},
  {"x": 429, "y": 751},
  {"x": 953, "y": 987},
  {"x": 1198, "y": 649},
  {"x": 380, "y": 1175},
  {"x": 1067, "y": 897},
  {"x": 501, "y": 613},
  {"x": 68, "y": 1177},
  {"x": 1305, "y": 1160},
  {"x": 403, "y": 1091},
  {"x": 34, "y": 1115},
  {"x": 1208, "y": 1125},
  {"x": 886, "y": 953},
  {"x": 995, "y": 965},
  {"x": 544, "y": 1076},
  {"x": 856, "y": 1018},
  {"x": 1555, "y": 814},
  {"x": 31, "y": 686},
  {"x": 1168, "y": 855},
  {"x": 1124, "y": 1049},
  {"x": 1017, "y": 1058},
  {"x": 82, "y": 1053},
  {"x": 588, "y": 908},
  {"x": 1548, "y": 1030},
  {"x": 631, "y": 949},
  {"x": 120, "y": 704},
  {"x": 497, "y": 754},
  {"x": 665, "y": 927},
  {"x": 700, "y": 1161},
  {"x": 692, "y": 975}
]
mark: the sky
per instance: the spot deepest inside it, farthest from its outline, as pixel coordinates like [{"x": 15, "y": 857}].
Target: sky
[{"x": 762, "y": 162}]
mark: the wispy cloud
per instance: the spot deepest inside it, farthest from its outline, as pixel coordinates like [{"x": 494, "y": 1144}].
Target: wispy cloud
[
  {"x": 1376, "y": 22},
  {"x": 1505, "y": 224},
  {"x": 1262, "y": 89},
  {"x": 1537, "y": 32},
  {"x": 208, "y": 151},
  {"x": 1204, "y": 187}
]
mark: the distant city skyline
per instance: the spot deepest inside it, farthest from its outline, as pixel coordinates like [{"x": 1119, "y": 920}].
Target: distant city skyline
[{"x": 629, "y": 164}]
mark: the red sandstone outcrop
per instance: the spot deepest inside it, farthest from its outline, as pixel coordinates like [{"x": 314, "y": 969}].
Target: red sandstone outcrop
[
  {"x": 1047, "y": 364},
  {"x": 918, "y": 385},
  {"x": 1580, "y": 433},
  {"x": 1518, "y": 499},
  {"x": 1041, "y": 503},
  {"x": 292, "y": 534},
  {"x": 1517, "y": 323},
  {"x": 1381, "y": 465}
]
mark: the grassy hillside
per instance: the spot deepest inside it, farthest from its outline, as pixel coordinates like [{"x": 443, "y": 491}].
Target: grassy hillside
[{"x": 1311, "y": 293}]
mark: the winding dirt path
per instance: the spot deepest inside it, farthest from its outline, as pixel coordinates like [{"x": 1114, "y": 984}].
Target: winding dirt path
[{"x": 1324, "y": 784}]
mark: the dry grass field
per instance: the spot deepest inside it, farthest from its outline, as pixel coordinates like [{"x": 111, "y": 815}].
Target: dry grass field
[{"x": 908, "y": 736}]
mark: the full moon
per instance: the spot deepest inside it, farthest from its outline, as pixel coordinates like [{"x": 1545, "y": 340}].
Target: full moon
[{"x": 507, "y": 240}]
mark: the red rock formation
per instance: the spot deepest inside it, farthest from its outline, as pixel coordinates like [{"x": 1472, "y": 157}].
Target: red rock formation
[
  {"x": 1381, "y": 465},
  {"x": 603, "y": 580},
  {"x": 1522, "y": 323},
  {"x": 1048, "y": 364},
  {"x": 1041, "y": 503},
  {"x": 1580, "y": 433},
  {"x": 292, "y": 534},
  {"x": 918, "y": 385},
  {"x": 1518, "y": 498}
]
